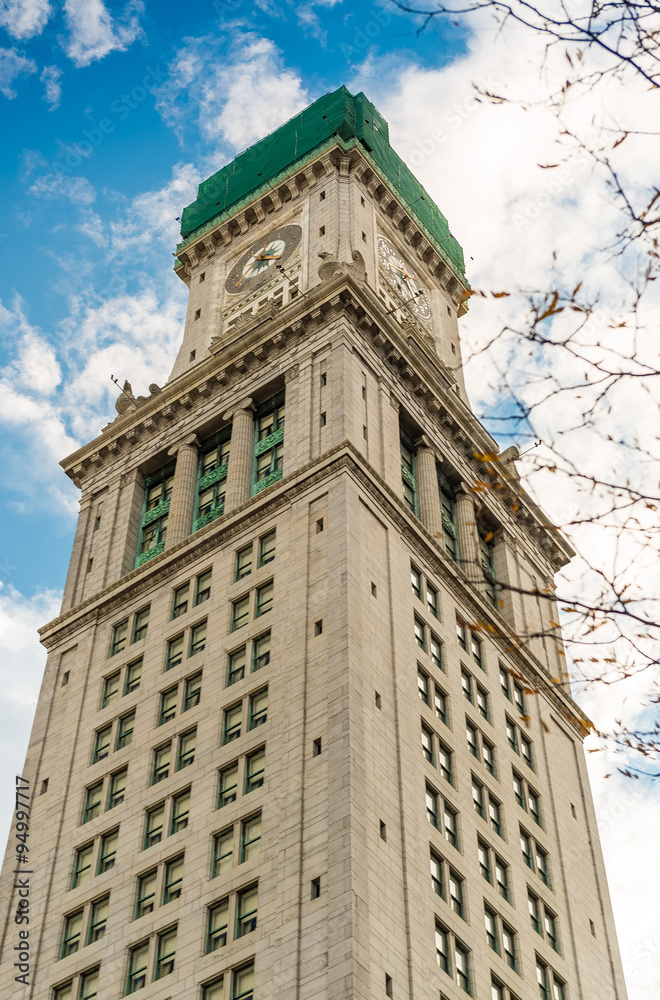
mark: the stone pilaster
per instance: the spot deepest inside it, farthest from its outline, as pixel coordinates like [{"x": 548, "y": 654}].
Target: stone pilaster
[
  {"x": 428, "y": 495},
  {"x": 182, "y": 502},
  {"x": 241, "y": 454},
  {"x": 468, "y": 535},
  {"x": 294, "y": 438}
]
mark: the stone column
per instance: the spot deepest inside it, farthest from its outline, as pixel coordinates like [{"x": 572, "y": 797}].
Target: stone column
[
  {"x": 428, "y": 494},
  {"x": 468, "y": 536},
  {"x": 182, "y": 501},
  {"x": 241, "y": 454},
  {"x": 296, "y": 428}
]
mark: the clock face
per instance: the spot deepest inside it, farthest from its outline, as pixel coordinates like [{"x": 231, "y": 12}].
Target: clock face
[
  {"x": 403, "y": 279},
  {"x": 260, "y": 262}
]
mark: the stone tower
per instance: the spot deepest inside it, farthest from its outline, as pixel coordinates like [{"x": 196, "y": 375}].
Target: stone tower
[{"x": 305, "y": 729}]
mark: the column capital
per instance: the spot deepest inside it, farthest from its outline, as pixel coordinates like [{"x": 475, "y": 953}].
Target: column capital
[
  {"x": 424, "y": 442},
  {"x": 291, "y": 373},
  {"x": 191, "y": 441},
  {"x": 245, "y": 405}
]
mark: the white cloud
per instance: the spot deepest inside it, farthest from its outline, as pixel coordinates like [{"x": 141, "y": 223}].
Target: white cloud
[
  {"x": 24, "y": 18},
  {"x": 13, "y": 65},
  {"x": 150, "y": 218},
  {"x": 239, "y": 99},
  {"x": 50, "y": 77},
  {"x": 78, "y": 190},
  {"x": 93, "y": 33}
]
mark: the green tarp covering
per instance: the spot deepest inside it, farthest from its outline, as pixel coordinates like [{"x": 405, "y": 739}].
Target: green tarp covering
[{"x": 339, "y": 115}]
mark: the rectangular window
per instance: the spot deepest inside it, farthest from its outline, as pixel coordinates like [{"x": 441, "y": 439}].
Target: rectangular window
[
  {"x": 264, "y": 599},
  {"x": 451, "y": 826},
  {"x": 140, "y": 625},
  {"x": 432, "y": 807},
  {"x": 165, "y": 953},
  {"x": 243, "y": 562},
  {"x": 542, "y": 865},
  {"x": 423, "y": 686},
  {"x": 125, "y": 730},
  {"x": 526, "y": 751},
  {"x": 89, "y": 984},
  {"x": 477, "y": 651},
  {"x": 153, "y": 831},
  {"x": 444, "y": 762},
  {"x": 98, "y": 919},
  {"x": 472, "y": 739},
  {"x": 255, "y": 769},
  {"x": 483, "y": 852},
  {"x": 137, "y": 967},
  {"x": 432, "y": 600},
  {"x": 449, "y": 534},
  {"x": 180, "y": 811},
  {"x": 490, "y": 921},
  {"x": 203, "y": 587},
  {"x": 168, "y": 701},
  {"x": 488, "y": 754},
  {"x": 420, "y": 634},
  {"x": 233, "y": 718},
  {"x": 250, "y": 837},
  {"x": 223, "y": 852},
  {"x": 442, "y": 948},
  {"x": 269, "y": 441},
  {"x": 482, "y": 703},
  {"x": 180, "y": 600},
  {"x": 437, "y": 879},
  {"x": 427, "y": 744},
  {"x": 519, "y": 790},
  {"x": 242, "y": 986},
  {"x": 162, "y": 761},
  {"x": 117, "y": 790},
  {"x": 64, "y": 992},
  {"x": 408, "y": 473},
  {"x": 218, "y": 922},
  {"x": 82, "y": 865},
  {"x": 436, "y": 652},
  {"x": 416, "y": 581},
  {"x": 462, "y": 958},
  {"x": 110, "y": 690},
  {"x": 461, "y": 633},
  {"x": 526, "y": 848},
  {"x": 502, "y": 877},
  {"x": 133, "y": 676},
  {"x": 504, "y": 682},
  {"x": 155, "y": 511},
  {"x": 108, "y": 851},
  {"x": 174, "y": 654},
  {"x": 478, "y": 798},
  {"x": 534, "y": 913},
  {"x": 267, "y": 548},
  {"x": 261, "y": 651},
  {"x": 71, "y": 934},
  {"x": 495, "y": 816},
  {"x": 550, "y": 924},
  {"x": 187, "y": 743},
  {"x": 173, "y": 880},
  {"x": 92, "y": 806},
  {"x": 440, "y": 705},
  {"x": 456, "y": 892},
  {"x": 534, "y": 806},
  {"x": 192, "y": 691},
  {"x": 258, "y": 708},
  {"x": 102, "y": 743},
  {"x": 145, "y": 900},
  {"x": 228, "y": 786},
  {"x": 519, "y": 697},
  {"x": 197, "y": 638},
  {"x": 236, "y": 666},
  {"x": 246, "y": 911},
  {"x": 466, "y": 686},
  {"x": 119, "y": 637},
  {"x": 512, "y": 734},
  {"x": 212, "y": 477},
  {"x": 542, "y": 979},
  {"x": 509, "y": 947},
  {"x": 240, "y": 613}
]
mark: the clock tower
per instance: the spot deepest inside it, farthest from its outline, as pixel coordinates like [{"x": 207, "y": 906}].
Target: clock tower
[{"x": 305, "y": 729}]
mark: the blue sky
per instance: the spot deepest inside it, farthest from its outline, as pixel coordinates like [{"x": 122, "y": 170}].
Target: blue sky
[{"x": 114, "y": 112}]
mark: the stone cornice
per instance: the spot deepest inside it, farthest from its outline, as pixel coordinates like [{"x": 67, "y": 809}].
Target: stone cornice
[{"x": 344, "y": 457}]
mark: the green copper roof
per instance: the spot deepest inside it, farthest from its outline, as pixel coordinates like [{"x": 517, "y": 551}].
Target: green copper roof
[{"x": 337, "y": 117}]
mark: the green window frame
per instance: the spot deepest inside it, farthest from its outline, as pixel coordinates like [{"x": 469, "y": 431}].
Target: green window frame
[
  {"x": 137, "y": 967},
  {"x": 509, "y": 949},
  {"x": 186, "y": 751},
  {"x": 490, "y": 923},
  {"x": 482, "y": 703},
  {"x": 250, "y": 837},
  {"x": 64, "y": 991},
  {"x": 476, "y": 647},
  {"x": 155, "y": 512},
  {"x": 534, "y": 907},
  {"x": 93, "y": 799},
  {"x": 486, "y": 547},
  {"x": 268, "y": 443},
  {"x": 456, "y": 893},
  {"x": 408, "y": 472},
  {"x": 162, "y": 762},
  {"x": 502, "y": 877},
  {"x": 125, "y": 730},
  {"x": 165, "y": 953},
  {"x": 420, "y": 633},
  {"x": 192, "y": 691},
  {"x": 168, "y": 704},
  {"x": 478, "y": 798},
  {"x": 243, "y": 562},
  {"x": 117, "y": 788},
  {"x": 267, "y": 547},
  {"x": 110, "y": 689},
  {"x": 427, "y": 744},
  {"x": 440, "y": 705},
  {"x": 153, "y": 827},
  {"x": 495, "y": 815},
  {"x": 217, "y": 926},
  {"x": 472, "y": 738},
  {"x": 432, "y": 600},
  {"x": 215, "y": 990},
  {"x": 416, "y": 582},
  {"x": 246, "y": 910},
  {"x": 451, "y": 825},
  {"x": 436, "y": 652},
  {"x": 108, "y": 851},
  {"x": 119, "y": 638},
  {"x": 432, "y": 807},
  {"x": 102, "y": 740},
  {"x": 461, "y": 633},
  {"x": 442, "y": 948},
  {"x": 71, "y": 933},
  {"x": 212, "y": 478},
  {"x": 483, "y": 853},
  {"x": 236, "y": 666},
  {"x": 255, "y": 769},
  {"x": 437, "y": 874},
  {"x": 180, "y": 810},
  {"x": 261, "y": 651},
  {"x": 140, "y": 624},
  {"x": 526, "y": 848},
  {"x": 462, "y": 960},
  {"x": 180, "y": 600},
  {"x": 82, "y": 865},
  {"x": 174, "y": 653},
  {"x": 264, "y": 600},
  {"x": 173, "y": 879},
  {"x": 98, "y": 918},
  {"x": 488, "y": 755},
  {"x": 233, "y": 719},
  {"x": 228, "y": 784},
  {"x": 145, "y": 897},
  {"x": 242, "y": 984},
  {"x": 133, "y": 676},
  {"x": 89, "y": 984},
  {"x": 240, "y": 612},
  {"x": 258, "y": 708},
  {"x": 198, "y": 638},
  {"x": 203, "y": 587},
  {"x": 423, "y": 686},
  {"x": 448, "y": 514},
  {"x": 223, "y": 852}
]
